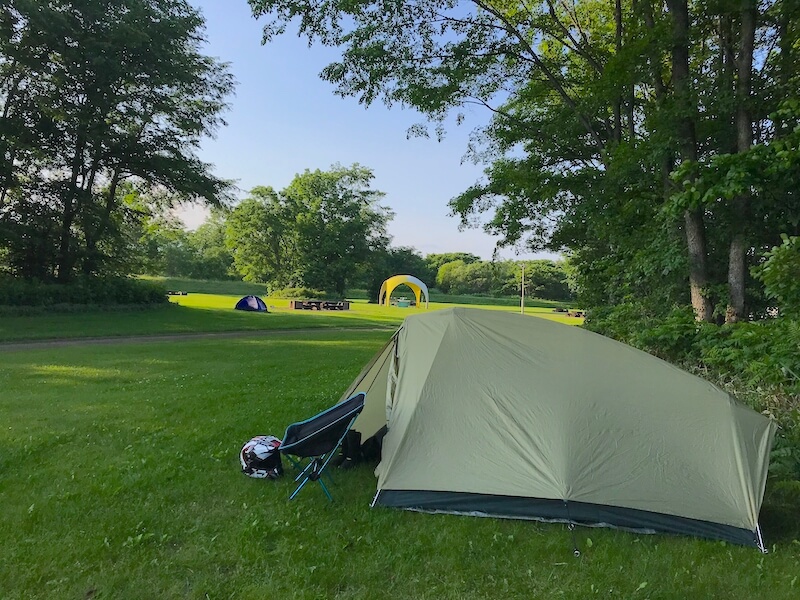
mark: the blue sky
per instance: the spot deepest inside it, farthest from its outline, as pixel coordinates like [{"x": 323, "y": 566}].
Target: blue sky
[{"x": 285, "y": 119}]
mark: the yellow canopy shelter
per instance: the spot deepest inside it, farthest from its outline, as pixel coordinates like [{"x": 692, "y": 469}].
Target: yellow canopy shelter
[{"x": 387, "y": 287}]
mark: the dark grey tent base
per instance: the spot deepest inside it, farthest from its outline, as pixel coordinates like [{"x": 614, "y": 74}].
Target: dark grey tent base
[{"x": 558, "y": 510}]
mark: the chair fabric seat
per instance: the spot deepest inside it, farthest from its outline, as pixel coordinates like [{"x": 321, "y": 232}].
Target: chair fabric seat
[
  {"x": 321, "y": 433},
  {"x": 316, "y": 439}
]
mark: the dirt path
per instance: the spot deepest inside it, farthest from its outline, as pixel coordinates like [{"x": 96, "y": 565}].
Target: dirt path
[{"x": 173, "y": 337}]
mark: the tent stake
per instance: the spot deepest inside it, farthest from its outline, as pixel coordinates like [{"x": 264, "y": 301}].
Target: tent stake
[{"x": 571, "y": 527}]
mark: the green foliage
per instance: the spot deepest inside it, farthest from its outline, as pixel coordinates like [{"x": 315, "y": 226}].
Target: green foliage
[
  {"x": 657, "y": 142},
  {"x": 386, "y": 262},
  {"x": 84, "y": 290},
  {"x": 211, "y": 258},
  {"x": 435, "y": 261},
  {"x": 780, "y": 274},
  {"x": 762, "y": 354},
  {"x": 339, "y": 224},
  {"x": 299, "y": 292},
  {"x": 319, "y": 232},
  {"x": 260, "y": 236},
  {"x": 785, "y": 457},
  {"x": 95, "y": 96},
  {"x": 670, "y": 334},
  {"x": 544, "y": 279}
]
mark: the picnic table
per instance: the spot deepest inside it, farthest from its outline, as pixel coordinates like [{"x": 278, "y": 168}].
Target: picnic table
[{"x": 319, "y": 304}]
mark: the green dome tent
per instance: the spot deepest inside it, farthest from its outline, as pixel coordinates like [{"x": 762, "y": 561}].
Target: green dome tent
[{"x": 502, "y": 414}]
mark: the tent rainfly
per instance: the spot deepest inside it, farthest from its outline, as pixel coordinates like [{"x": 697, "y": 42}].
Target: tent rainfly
[
  {"x": 492, "y": 413},
  {"x": 416, "y": 285}
]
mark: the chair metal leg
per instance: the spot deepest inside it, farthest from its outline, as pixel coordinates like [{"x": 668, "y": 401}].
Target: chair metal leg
[
  {"x": 299, "y": 487},
  {"x": 325, "y": 489}
]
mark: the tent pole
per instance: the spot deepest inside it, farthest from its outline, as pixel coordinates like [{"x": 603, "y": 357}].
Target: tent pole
[{"x": 760, "y": 540}]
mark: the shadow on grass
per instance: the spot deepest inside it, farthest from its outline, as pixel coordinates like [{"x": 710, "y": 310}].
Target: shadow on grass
[{"x": 780, "y": 513}]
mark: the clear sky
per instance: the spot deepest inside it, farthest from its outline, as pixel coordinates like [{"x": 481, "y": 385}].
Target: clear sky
[{"x": 284, "y": 119}]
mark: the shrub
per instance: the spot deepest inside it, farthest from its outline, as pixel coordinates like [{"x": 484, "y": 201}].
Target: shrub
[
  {"x": 299, "y": 292},
  {"x": 780, "y": 274},
  {"x": 82, "y": 291},
  {"x": 763, "y": 354}
]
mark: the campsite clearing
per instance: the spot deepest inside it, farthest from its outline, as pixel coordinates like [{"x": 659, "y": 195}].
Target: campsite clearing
[
  {"x": 198, "y": 312},
  {"x": 120, "y": 479}
]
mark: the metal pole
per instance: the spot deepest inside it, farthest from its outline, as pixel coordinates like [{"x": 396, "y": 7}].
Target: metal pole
[{"x": 522, "y": 290}]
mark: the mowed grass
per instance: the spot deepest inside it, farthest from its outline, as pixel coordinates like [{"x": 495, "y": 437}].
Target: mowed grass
[
  {"x": 214, "y": 313},
  {"x": 119, "y": 478}
]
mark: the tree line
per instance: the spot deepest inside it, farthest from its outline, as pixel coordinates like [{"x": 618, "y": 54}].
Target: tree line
[
  {"x": 656, "y": 141},
  {"x": 326, "y": 232}
]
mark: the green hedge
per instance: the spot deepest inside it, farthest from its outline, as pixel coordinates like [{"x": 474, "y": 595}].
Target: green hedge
[
  {"x": 83, "y": 291},
  {"x": 300, "y": 292},
  {"x": 209, "y": 286}
]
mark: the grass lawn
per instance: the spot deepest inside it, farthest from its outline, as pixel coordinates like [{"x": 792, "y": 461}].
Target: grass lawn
[
  {"x": 197, "y": 312},
  {"x": 119, "y": 478}
]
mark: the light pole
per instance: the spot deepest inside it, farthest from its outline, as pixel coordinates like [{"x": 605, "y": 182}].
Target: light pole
[{"x": 522, "y": 292}]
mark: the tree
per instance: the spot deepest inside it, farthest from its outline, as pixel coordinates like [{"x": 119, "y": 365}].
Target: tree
[
  {"x": 165, "y": 248},
  {"x": 211, "y": 257},
  {"x": 338, "y": 223},
  {"x": 544, "y": 279},
  {"x": 93, "y": 94},
  {"x": 434, "y": 261},
  {"x": 262, "y": 237},
  {"x": 610, "y": 124},
  {"x": 449, "y": 278},
  {"x": 386, "y": 262},
  {"x": 318, "y": 232}
]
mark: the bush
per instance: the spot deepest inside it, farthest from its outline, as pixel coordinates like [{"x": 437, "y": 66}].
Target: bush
[
  {"x": 763, "y": 354},
  {"x": 83, "y": 291},
  {"x": 33, "y": 311},
  {"x": 780, "y": 274},
  {"x": 300, "y": 292}
]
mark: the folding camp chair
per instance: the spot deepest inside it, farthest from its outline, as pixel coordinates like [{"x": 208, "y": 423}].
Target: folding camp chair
[{"x": 317, "y": 439}]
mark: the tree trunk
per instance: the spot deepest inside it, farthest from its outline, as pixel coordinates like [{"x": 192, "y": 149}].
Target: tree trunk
[
  {"x": 695, "y": 226},
  {"x": 91, "y": 264},
  {"x": 737, "y": 255},
  {"x": 698, "y": 269},
  {"x": 6, "y": 143},
  {"x": 65, "y": 255}
]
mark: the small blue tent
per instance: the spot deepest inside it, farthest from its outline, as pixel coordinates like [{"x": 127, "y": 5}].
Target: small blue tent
[{"x": 251, "y": 303}]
